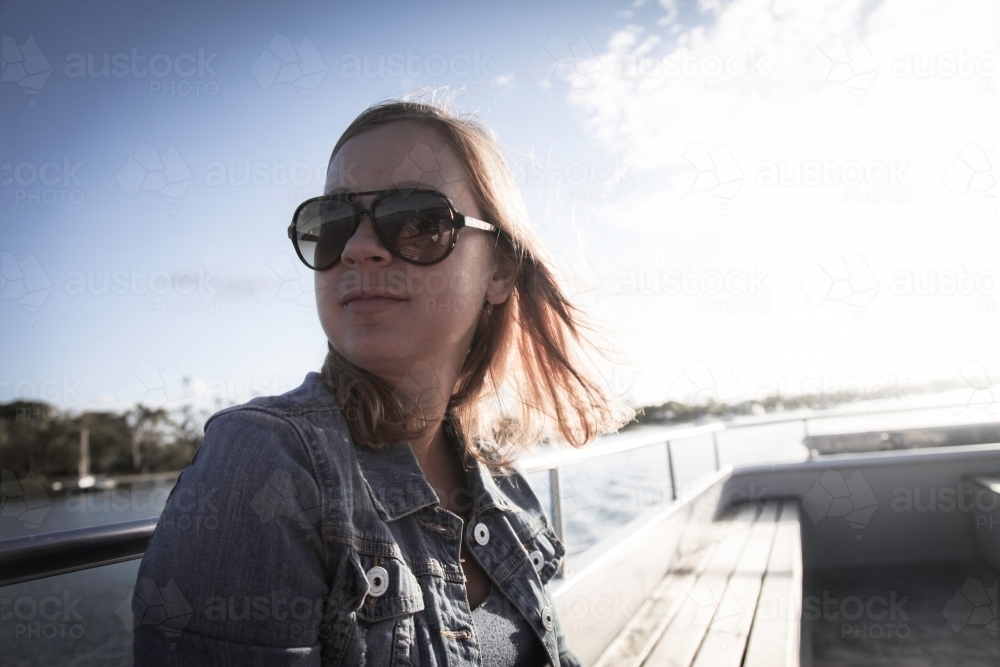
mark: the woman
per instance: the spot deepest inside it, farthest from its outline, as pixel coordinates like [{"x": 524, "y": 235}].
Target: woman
[{"x": 371, "y": 516}]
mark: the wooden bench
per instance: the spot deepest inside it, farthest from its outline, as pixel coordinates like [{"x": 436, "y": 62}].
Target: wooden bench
[{"x": 732, "y": 598}]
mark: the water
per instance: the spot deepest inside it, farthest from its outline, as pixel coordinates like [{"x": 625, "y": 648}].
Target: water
[{"x": 83, "y": 618}]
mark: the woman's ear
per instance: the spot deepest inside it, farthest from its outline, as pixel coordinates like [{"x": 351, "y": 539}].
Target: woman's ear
[{"x": 501, "y": 281}]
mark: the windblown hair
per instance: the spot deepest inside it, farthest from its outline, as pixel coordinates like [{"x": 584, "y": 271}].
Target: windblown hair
[{"x": 533, "y": 372}]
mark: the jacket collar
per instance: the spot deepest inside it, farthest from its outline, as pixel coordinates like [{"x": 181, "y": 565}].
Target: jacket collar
[
  {"x": 398, "y": 486},
  {"x": 486, "y": 494},
  {"x": 395, "y": 481},
  {"x": 482, "y": 487}
]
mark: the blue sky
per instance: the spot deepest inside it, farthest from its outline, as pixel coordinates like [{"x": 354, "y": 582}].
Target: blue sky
[{"x": 755, "y": 199}]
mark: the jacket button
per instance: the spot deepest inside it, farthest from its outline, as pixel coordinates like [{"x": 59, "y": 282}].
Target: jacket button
[
  {"x": 482, "y": 534},
  {"x": 547, "y": 618},
  {"x": 378, "y": 581},
  {"x": 537, "y": 561}
]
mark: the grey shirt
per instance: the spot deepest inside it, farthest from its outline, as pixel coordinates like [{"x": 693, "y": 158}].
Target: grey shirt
[{"x": 505, "y": 638}]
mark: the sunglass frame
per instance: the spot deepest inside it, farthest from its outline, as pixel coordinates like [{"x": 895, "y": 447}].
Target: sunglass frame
[{"x": 351, "y": 198}]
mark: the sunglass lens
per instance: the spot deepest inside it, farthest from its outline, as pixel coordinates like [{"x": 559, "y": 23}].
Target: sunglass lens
[
  {"x": 322, "y": 229},
  {"x": 418, "y": 227}
]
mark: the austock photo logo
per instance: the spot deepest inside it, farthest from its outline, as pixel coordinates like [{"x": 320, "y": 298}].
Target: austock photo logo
[
  {"x": 867, "y": 391},
  {"x": 422, "y": 168},
  {"x": 283, "y": 279},
  {"x": 834, "y": 62},
  {"x": 973, "y": 604},
  {"x": 733, "y": 73},
  {"x": 592, "y": 501},
  {"x": 152, "y": 386},
  {"x": 704, "y": 171},
  {"x": 164, "y": 607},
  {"x": 281, "y": 61},
  {"x": 39, "y": 394},
  {"x": 287, "y": 496},
  {"x": 423, "y": 384},
  {"x": 235, "y": 390},
  {"x": 24, "y": 282},
  {"x": 979, "y": 287},
  {"x": 978, "y": 388},
  {"x": 834, "y": 496},
  {"x": 300, "y": 175},
  {"x": 719, "y": 610},
  {"x": 582, "y": 501},
  {"x": 974, "y": 171},
  {"x": 596, "y": 183},
  {"x": 24, "y": 65},
  {"x": 559, "y": 61},
  {"x": 36, "y": 617},
  {"x": 871, "y": 182},
  {"x": 470, "y": 67},
  {"x": 731, "y": 291},
  {"x": 967, "y": 497},
  {"x": 49, "y": 182},
  {"x": 724, "y": 606},
  {"x": 870, "y": 617},
  {"x": 835, "y": 279},
  {"x": 24, "y": 500},
  {"x": 176, "y": 291},
  {"x": 701, "y": 383},
  {"x": 149, "y": 170},
  {"x": 578, "y": 277},
  {"x": 182, "y": 75},
  {"x": 980, "y": 66}
]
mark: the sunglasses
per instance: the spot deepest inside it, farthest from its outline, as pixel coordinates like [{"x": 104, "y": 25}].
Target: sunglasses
[{"x": 417, "y": 226}]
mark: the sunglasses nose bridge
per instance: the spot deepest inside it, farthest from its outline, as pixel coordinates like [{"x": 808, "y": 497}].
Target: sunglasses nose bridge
[
  {"x": 370, "y": 235},
  {"x": 365, "y": 211}
]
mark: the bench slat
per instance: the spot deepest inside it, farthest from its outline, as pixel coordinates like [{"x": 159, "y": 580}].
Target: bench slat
[
  {"x": 775, "y": 636},
  {"x": 682, "y": 638},
  {"x": 726, "y": 639},
  {"x": 637, "y": 639}
]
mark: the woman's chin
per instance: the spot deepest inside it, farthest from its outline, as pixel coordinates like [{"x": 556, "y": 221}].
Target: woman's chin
[{"x": 377, "y": 352}]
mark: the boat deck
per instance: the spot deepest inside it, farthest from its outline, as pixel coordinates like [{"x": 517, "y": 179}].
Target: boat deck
[
  {"x": 731, "y": 599},
  {"x": 933, "y": 614},
  {"x": 738, "y": 596}
]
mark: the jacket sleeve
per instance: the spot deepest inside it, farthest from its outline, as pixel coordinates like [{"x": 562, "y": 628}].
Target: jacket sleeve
[{"x": 235, "y": 571}]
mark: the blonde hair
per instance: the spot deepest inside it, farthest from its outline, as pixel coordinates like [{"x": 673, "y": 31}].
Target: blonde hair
[{"x": 535, "y": 346}]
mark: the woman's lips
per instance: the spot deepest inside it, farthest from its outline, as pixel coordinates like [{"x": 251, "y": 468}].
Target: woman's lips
[{"x": 370, "y": 304}]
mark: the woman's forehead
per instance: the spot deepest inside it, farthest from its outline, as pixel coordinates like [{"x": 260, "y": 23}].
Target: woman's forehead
[{"x": 400, "y": 154}]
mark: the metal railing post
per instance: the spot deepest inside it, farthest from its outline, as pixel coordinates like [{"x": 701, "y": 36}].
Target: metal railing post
[
  {"x": 673, "y": 477},
  {"x": 558, "y": 518},
  {"x": 715, "y": 448}
]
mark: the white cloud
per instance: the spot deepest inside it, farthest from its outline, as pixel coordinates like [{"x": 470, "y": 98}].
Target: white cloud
[{"x": 875, "y": 101}]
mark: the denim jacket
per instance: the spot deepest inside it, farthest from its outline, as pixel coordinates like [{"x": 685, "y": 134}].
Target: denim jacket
[{"x": 283, "y": 543}]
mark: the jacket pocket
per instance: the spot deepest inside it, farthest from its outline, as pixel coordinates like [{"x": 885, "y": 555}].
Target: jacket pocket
[
  {"x": 388, "y": 614},
  {"x": 393, "y": 589}
]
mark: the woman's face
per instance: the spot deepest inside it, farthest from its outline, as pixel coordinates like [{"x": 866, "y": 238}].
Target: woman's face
[{"x": 392, "y": 318}]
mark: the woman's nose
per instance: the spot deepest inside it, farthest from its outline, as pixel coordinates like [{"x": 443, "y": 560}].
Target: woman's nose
[{"x": 365, "y": 247}]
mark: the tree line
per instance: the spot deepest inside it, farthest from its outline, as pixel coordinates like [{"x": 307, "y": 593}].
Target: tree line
[{"x": 37, "y": 437}]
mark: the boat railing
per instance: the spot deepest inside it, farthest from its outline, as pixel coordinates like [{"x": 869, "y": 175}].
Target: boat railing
[{"x": 59, "y": 552}]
